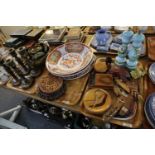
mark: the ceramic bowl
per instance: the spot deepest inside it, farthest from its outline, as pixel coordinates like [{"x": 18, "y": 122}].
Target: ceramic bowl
[
  {"x": 79, "y": 74},
  {"x": 63, "y": 62}
]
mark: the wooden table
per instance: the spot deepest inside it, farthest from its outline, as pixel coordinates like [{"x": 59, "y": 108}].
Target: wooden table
[{"x": 148, "y": 88}]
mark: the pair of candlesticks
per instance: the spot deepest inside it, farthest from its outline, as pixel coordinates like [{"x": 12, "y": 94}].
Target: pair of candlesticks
[{"x": 22, "y": 67}]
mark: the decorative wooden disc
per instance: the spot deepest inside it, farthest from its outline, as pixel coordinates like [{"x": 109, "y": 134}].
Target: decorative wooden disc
[{"x": 97, "y": 101}]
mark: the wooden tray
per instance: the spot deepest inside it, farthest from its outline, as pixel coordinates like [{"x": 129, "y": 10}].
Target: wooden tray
[
  {"x": 73, "y": 93},
  {"x": 134, "y": 122},
  {"x": 86, "y": 30},
  {"x": 149, "y": 86},
  {"x": 146, "y": 87},
  {"x": 150, "y": 30}
]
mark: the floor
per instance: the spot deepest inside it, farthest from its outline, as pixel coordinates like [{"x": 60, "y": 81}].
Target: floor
[{"x": 10, "y": 99}]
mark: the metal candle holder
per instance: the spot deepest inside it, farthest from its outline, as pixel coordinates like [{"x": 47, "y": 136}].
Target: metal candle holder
[
  {"x": 25, "y": 68},
  {"x": 16, "y": 81},
  {"x": 26, "y": 58}
]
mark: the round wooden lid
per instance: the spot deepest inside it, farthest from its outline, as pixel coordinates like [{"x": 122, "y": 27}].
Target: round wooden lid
[{"x": 97, "y": 101}]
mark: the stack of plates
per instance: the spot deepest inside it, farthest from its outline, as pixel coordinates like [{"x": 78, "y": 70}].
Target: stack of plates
[
  {"x": 152, "y": 72},
  {"x": 70, "y": 61},
  {"x": 150, "y": 109}
]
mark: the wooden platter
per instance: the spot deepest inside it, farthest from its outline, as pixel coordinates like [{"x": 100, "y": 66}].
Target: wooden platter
[
  {"x": 74, "y": 89},
  {"x": 149, "y": 31},
  {"x": 134, "y": 122}
]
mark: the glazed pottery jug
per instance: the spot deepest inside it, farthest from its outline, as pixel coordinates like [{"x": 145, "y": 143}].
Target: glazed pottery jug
[{"x": 102, "y": 36}]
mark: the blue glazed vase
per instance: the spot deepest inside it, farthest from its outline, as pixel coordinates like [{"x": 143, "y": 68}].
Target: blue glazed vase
[
  {"x": 126, "y": 36},
  {"x": 102, "y": 36},
  {"x": 137, "y": 40},
  {"x": 132, "y": 54}
]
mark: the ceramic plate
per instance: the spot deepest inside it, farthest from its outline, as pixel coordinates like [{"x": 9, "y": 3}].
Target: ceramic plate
[
  {"x": 152, "y": 72},
  {"x": 149, "y": 109},
  {"x": 79, "y": 74},
  {"x": 68, "y": 59}
]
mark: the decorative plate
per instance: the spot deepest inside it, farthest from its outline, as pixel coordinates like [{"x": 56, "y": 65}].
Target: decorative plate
[
  {"x": 97, "y": 101},
  {"x": 79, "y": 74},
  {"x": 149, "y": 109},
  {"x": 152, "y": 72},
  {"x": 62, "y": 61}
]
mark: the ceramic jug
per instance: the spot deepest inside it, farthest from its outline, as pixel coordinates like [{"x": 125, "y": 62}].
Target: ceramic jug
[{"x": 102, "y": 36}]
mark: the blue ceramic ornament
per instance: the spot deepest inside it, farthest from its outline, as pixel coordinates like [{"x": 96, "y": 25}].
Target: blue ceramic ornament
[
  {"x": 132, "y": 61},
  {"x": 120, "y": 60},
  {"x": 137, "y": 40},
  {"x": 102, "y": 37},
  {"x": 126, "y": 36}
]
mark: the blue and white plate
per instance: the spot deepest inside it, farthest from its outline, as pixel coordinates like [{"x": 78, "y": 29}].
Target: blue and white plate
[
  {"x": 152, "y": 72},
  {"x": 149, "y": 109}
]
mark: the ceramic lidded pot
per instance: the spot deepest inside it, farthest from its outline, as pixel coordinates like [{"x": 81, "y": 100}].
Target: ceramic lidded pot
[
  {"x": 120, "y": 60},
  {"x": 132, "y": 61},
  {"x": 138, "y": 39},
  {"x": 102, "y": 36},
  {"x": 121, "y": 57},
  {"x": 126, "y": 36}
]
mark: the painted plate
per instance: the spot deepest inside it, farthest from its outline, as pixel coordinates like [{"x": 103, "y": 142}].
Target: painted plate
[
  {"x": 149, "y": 109},
  {"x": 152, "y": 72},
  {"x": 68, "y": 59}
]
